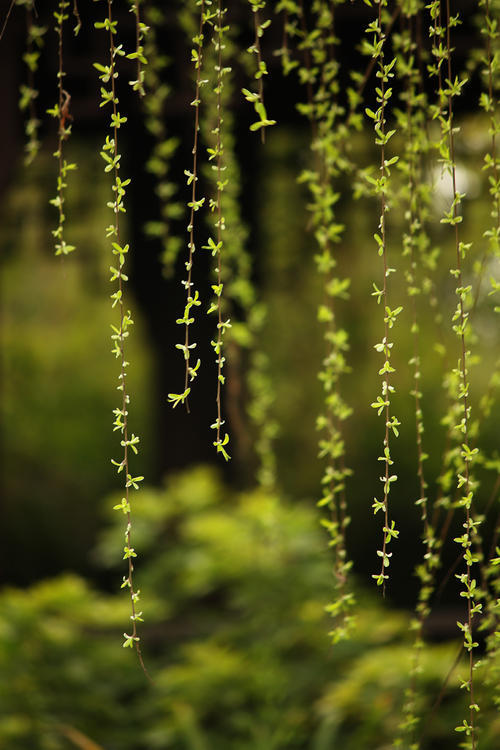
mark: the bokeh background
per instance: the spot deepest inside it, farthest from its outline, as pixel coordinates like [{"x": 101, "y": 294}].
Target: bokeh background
[{"x": 235, "y": 580}]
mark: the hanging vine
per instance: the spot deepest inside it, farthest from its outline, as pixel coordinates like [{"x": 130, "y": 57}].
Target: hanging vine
[
  {"x": 216, "y": 247},
  {"x": 452, "y": 88},
  {"x": 382, "y": 190},
  {"x": 29, "y": 93},
  {"x": 416, "y": 242},
  {"x": 165, "y": 145},
  {"x": 141, "y": 30},
  {"x": 247, "y": 364},
  {"x": 257, "y": 99},
  {"x": 61, "y": 112},
  {"x": 110, "y": 154},
  {"x": 488, "y": 100},
  {"x": 194, "y": 205},
  {"x": 311, "y": 47},
  {"x": 318, "y": 70}
]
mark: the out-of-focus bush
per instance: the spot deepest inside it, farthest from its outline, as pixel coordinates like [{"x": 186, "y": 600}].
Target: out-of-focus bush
[
  {"x": 58, "y": 378},
  {"x": 235, "y": 638}
]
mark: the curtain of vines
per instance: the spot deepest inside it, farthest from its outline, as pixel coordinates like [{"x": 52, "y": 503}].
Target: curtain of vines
[{"x": 403, "y": 93}]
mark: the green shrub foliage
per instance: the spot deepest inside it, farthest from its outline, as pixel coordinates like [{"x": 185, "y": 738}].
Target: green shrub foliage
[{"x": 239, "y": 648}]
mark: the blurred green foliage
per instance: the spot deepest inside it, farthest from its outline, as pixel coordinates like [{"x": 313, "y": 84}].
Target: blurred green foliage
[
  {"x": 234, "y": 585},
  {"x": 58, "y": 375},
  {"x": 291, "y": 290},
  {"x": 236, "y": 642}
]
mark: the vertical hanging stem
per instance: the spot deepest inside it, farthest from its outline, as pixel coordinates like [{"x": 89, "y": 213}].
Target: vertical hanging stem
[
  {"x": 194, "y": 205},
  {"x": 194, "y": 179},
  {"x": 138, "y": 55},
  {"x": 110, "y": 154},
  {"x": 460, "y": 318},
  {"x": 383, "y": 403},
  {"x": 415, "y": 136},
  {"x": 63, "y": 116},
  {"x": 260, "y": 62},
  {"x": 495, "y": 189},
  {"x": 221, "y": 326},
  {"x": 34, "y": 40}
]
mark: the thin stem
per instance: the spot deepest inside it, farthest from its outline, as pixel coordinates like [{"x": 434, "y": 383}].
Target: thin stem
[
  {"x": 64, "y": 100},
  {"x": 194, "y": 179},
  {"x": 220, "y": 358},
  {"x": 381, "y": 188},
  {"x": 139, "y": 84},
  {"x": 124, "y": 321},
  {"x": 464, "y": 382},
  {"x": 62, "y": 113},
  {"x": 33, "y": 123},
  {"x": 256, "y": 23},
  {"x": 77, "y": 18},
  {"x": 6, "y": 19}
]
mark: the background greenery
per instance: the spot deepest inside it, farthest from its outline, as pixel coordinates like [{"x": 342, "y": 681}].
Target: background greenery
[
  {"x": 235, "y": 581},
  {"x": 235, "y": 584}
]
